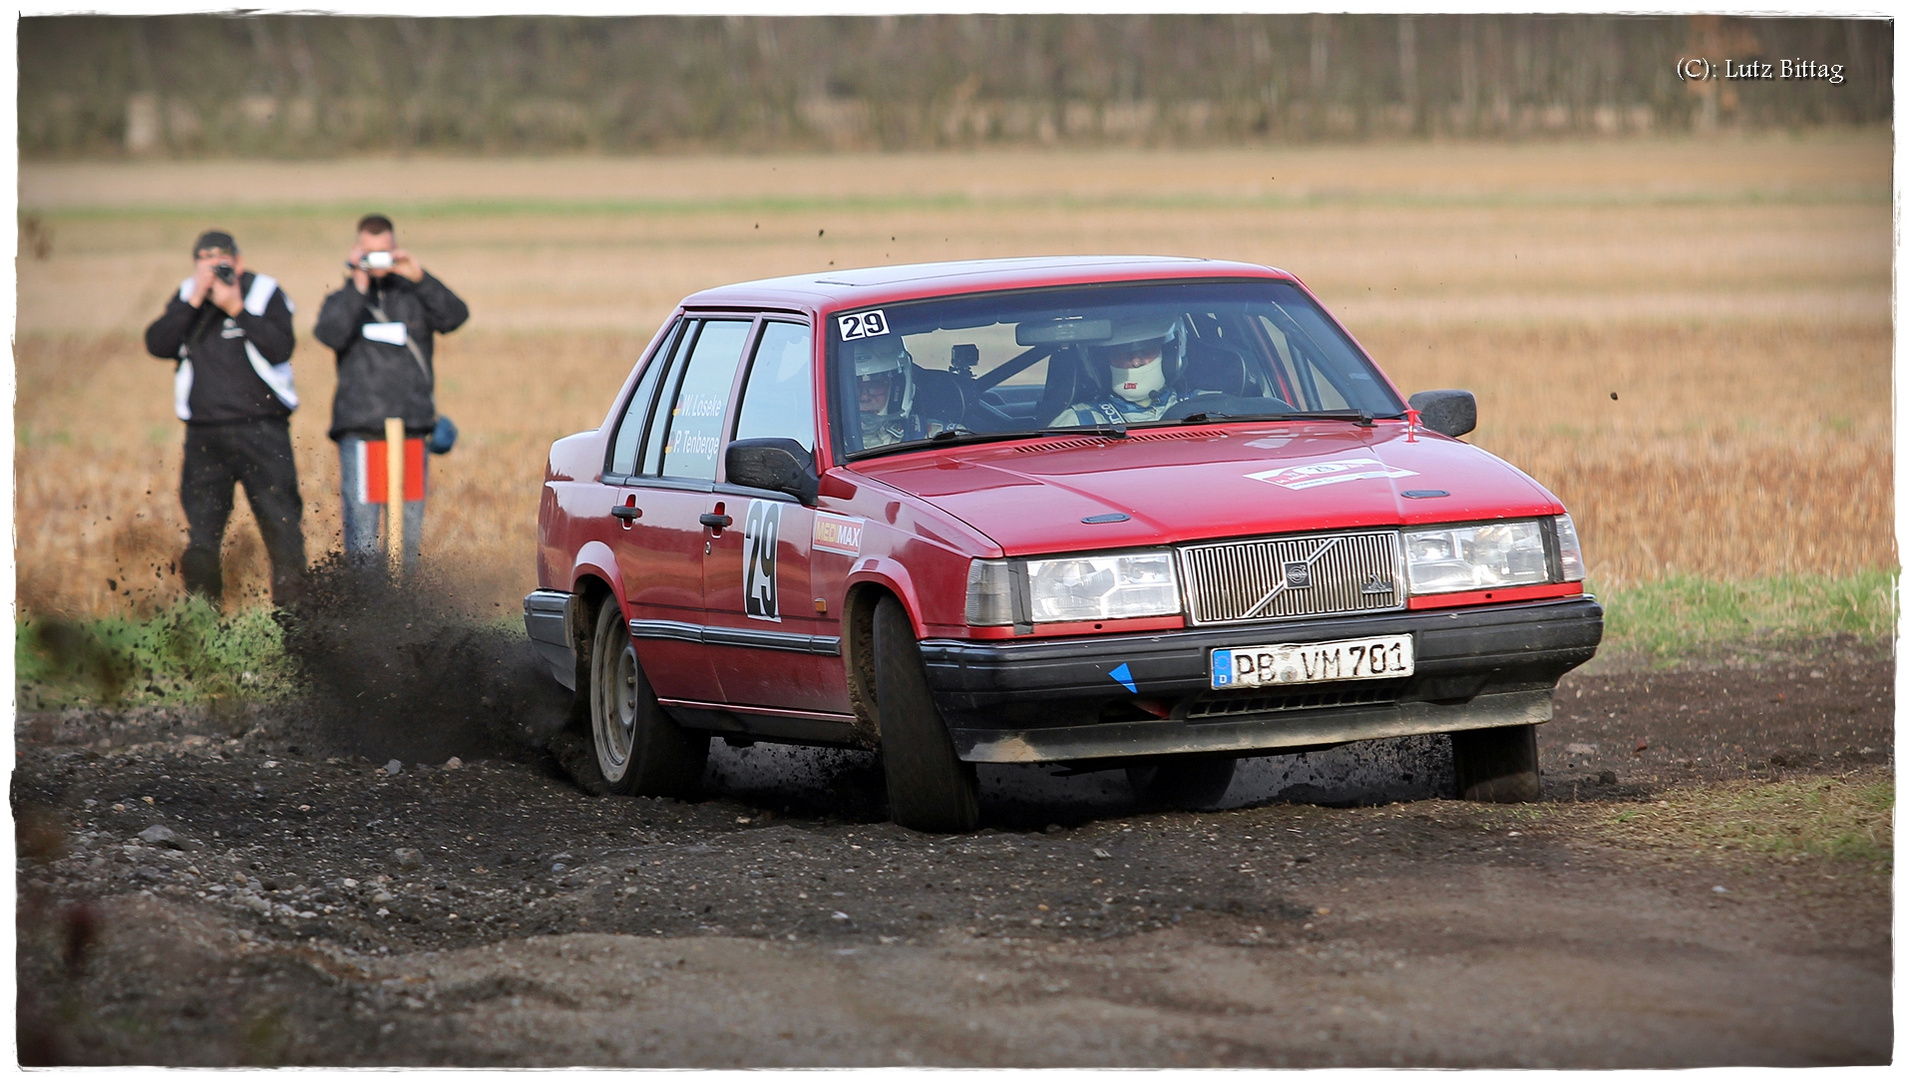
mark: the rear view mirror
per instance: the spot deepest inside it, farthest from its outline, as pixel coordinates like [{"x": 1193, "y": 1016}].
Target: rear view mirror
[
  {"x": 1063, "y": 331},
  {"x": 1448, "y": 412},
  {"x": 773, "y": 464}
]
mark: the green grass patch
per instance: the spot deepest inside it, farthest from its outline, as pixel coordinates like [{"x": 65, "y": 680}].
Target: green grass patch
[
  {"x": 962, "y": 201},
  {"x": 1683, "y": 615},
  {"x": 1832, "y": 817},
  {"x": 188, "y": 653}
]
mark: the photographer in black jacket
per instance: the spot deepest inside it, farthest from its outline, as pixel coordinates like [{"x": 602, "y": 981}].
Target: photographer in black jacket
[
  {"x": 382, "y": 324},
  {"x": 230, "y": 333}
]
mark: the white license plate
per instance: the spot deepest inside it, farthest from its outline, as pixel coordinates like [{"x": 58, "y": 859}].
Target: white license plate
[{"x": 1387, "y": 656}]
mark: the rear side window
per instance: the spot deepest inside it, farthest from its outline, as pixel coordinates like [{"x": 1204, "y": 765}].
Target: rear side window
[
  {"x": 693, "y": 444},
  {"x": 629, "y": 431},
  {"x": 778, "y": 402}
]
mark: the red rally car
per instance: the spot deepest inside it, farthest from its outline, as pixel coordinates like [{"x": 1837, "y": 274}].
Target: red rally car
[{"x": 1141, "y": 512}]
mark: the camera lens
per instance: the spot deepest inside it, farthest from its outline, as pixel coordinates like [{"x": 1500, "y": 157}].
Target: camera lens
[{"x": 223, "y": 272}]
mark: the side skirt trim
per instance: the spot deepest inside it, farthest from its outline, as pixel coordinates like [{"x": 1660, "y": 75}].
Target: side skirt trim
[{"x": 672, "y": 630}]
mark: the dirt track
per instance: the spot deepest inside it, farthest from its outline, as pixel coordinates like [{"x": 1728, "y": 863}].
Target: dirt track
[{"x": 314, "y": 908}]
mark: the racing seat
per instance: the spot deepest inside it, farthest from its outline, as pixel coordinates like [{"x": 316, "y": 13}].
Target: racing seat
[
  {"x": 940, "y": 395},
  {"x": 1216, "y": 369},
  {"x": 1066, "y": 384}
]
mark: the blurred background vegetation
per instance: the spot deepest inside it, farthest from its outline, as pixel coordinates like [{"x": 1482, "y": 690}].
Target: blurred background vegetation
[{"x": 308, "y": 86}]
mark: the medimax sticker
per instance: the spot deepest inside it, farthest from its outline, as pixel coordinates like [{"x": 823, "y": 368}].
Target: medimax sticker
[
  {"x": 833, "y": 532},
  {"x": 1322, "y": 473}
]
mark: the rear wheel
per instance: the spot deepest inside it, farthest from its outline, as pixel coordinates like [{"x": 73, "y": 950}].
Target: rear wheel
[
  {"x": 635, "y": 748},
  {"x": 1497, "y": 764},
  {"x": 1186, "y": 783},
  {"x": 929, "y": 788}
]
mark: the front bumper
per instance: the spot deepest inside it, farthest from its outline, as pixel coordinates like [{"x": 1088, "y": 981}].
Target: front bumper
[{"x": 1058, "y": 700}]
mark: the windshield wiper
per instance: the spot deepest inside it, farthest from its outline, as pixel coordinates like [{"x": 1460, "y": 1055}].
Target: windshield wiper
[
  {"x": 1111, "y": 431},
  {"x": 959, "y": 436},
  {"x": 956, "y": 436},
  {"x": 1356, "y": 416}
]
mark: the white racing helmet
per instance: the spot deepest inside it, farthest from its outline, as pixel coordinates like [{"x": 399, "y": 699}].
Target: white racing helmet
[
  {"x": 1138, "y": 334},
  {"x": 886, "y": 355}
]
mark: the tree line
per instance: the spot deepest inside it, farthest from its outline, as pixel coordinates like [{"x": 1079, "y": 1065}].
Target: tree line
[{"x": 320, "y": 85}]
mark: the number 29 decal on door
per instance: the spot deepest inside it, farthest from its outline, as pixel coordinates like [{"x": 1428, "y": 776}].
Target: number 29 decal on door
[{"x": 760, "y": 531}]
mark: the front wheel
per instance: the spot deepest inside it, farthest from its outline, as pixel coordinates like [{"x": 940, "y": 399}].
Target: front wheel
[
  {"x": 930, "y": 789},
  {"x": 1497, "y": 764},
  {"x": 635, "y": 748}
]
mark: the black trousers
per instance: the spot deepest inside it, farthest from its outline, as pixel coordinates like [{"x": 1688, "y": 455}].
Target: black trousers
[{"x": 258, "y": 455}]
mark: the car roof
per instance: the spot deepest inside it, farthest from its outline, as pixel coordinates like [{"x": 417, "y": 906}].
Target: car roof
[{"x": 830, "y": 289}]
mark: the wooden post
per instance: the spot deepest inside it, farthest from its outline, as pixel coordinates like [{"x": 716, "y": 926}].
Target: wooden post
[{"x": 394, "y": 493}]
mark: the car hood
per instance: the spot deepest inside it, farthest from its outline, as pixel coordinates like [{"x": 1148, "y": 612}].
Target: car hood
[{"x": 1185, "y": 484}]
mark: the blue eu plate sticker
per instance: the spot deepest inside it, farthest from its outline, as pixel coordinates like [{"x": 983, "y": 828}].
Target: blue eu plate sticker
[{"x": 1222, "y": 667}]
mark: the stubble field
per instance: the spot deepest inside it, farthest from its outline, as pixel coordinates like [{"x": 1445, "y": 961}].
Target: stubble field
[{"x": 1688, "y": 341}]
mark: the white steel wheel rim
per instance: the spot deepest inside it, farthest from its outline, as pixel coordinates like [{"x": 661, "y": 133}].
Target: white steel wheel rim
[{"x": 616, "y": 718}]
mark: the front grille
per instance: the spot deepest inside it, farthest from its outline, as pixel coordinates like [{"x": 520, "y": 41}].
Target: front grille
[
  {"x": 1247, "y": 580},
  {"x": 1221, "y": 704}
]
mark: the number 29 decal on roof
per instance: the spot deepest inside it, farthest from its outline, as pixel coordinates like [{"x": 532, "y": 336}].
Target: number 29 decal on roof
[{"x": 864, "y": 325}]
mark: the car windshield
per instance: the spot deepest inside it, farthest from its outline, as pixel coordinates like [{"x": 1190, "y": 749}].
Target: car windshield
[{"x": 1103, "y": 357}]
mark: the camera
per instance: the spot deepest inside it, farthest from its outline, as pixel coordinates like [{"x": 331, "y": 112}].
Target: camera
[
  {"x": 223, "y": 272},
  {"x": 375, "y": 260}
]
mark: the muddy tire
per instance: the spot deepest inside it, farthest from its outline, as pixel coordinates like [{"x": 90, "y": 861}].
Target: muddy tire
[
  {"x": 1497, "y": 765},
  {"x": 634, "y": 746},
  {"x": 929, "y": 788},
  {"x": 1186, "y": 783}
]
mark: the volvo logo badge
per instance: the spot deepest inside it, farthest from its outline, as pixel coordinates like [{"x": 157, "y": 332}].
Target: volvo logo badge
[
  {"x": 1298, "y": 575},
  {"x": 1376, "y": 585}
]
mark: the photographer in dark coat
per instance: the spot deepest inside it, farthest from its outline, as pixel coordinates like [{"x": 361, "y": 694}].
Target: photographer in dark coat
[
  {"x": 382, "y": 324},
  {"x": 230, "y": 333}
]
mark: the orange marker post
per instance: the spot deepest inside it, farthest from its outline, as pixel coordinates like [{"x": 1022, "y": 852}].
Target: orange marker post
[{"x": 394, "y": 493}]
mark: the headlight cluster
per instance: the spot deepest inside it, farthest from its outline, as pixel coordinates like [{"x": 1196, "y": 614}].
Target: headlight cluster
[
  {"x": 1494, "y": 556},
  {"x": 1139, "y": 584},
  {"x": 1073, "y": 588}
]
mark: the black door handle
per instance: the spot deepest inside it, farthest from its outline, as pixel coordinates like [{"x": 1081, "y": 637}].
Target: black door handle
[
  {"x": 717, "y": 521},
  {"x": 627, "y": 513}
]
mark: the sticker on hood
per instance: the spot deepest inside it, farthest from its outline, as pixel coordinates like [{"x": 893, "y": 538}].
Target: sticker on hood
[{"x": 1321, "y": 473}]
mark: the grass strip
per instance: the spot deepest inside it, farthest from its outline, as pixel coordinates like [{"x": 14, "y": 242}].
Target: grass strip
[
  {"x": 187, "y": 653},
  {"x": 954, "y": 201},
  {"x": 1682, "y": 615},
  {"x": 1849, "y": 818}
]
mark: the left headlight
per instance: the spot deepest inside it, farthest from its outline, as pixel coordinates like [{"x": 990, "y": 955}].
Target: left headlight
[
  {"x": 1084, "y": 588},
  {"x": 1075, "y": 588},
  {"x": 1460, "y": 559}
]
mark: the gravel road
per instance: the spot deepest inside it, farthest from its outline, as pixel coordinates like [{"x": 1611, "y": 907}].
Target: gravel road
[{"x": 416, "y": 882}]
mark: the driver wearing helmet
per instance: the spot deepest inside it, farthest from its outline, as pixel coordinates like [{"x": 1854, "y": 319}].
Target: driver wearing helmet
[
  {"x": 1134, "y": 369},
  {"x": 885, "y": 392}
]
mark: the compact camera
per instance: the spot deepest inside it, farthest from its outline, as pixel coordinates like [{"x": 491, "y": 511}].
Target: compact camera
[
  {"x": 375, "y": 260},
  {"x": 224, "y": 273}
]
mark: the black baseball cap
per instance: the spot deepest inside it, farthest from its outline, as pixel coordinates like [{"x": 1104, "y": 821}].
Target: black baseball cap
[{"x": 213, "y": 238}]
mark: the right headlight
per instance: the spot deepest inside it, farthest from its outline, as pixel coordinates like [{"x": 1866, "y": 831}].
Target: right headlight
[
  {"x": 1469, "y": 557},
  {"x": 1073, "y": 588}
]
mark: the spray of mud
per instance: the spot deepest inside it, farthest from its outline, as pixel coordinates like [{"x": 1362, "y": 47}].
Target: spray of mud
[{"x": 394, "y": 670}]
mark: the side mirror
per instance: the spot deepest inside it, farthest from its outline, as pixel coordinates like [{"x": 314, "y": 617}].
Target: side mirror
[
  {"x": 1448, "y": 412},
  {"x": 773, "y": 464}
]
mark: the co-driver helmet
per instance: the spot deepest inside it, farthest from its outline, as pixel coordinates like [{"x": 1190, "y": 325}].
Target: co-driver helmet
[{"x": 885, "y": 356}]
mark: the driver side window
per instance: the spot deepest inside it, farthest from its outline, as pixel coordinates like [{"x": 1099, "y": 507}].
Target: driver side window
[{"x": 778, "y": 401}]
